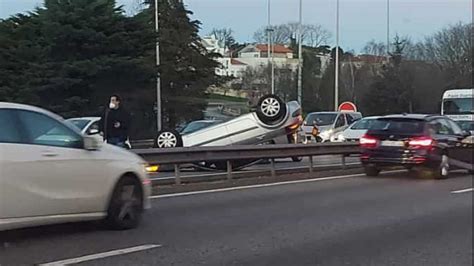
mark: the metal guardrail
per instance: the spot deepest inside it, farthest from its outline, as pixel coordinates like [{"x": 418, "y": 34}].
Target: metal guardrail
[{"x": 230, "y": 154}]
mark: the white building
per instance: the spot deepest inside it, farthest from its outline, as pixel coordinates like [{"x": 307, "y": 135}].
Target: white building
[{"x": 212, "y": 45}]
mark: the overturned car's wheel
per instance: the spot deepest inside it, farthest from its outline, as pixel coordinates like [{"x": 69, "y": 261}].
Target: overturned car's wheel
[
  {"x": 168, "y": 139},
  {"x": 271, "y": 109}
]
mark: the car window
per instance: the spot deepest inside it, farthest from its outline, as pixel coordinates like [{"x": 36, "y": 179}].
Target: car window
[
  {"x": 79, "y": 123},
  {"x": 363, "y": 124},
  {"x": 466, "y": 125},
  {"x": 351, "y": 118},
  {"x": 340, "y": 122},
  {"x": 9, "y": 132},
  {"x": 455, "y": 127},
  {"x": 398, "y": 126},
  {"x": 44, "y": 130},
  {"x": 321, "y": 119},
  {"x": 441, "y": 127}
]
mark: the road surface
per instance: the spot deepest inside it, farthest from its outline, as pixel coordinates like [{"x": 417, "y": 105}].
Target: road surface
[{"x": 347, "y": 220}]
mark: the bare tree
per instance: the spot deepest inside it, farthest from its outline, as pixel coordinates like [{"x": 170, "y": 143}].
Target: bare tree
[
  {"x": 312, "y": 35},
  {"x": 225, "y": 36},
  {"x": 451, "y": 49},
  {"x": 375, "y": 48}
]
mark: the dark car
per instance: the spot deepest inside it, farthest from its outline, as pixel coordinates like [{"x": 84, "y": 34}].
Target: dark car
[{"x": 417, "y": 142}]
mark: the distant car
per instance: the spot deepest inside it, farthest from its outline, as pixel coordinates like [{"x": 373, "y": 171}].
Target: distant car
[
  {"x": 418, "y": 142},
  {"x": 198, "y": 125},
  {"x": 355, "y": 131},
  {"x": 51, "y": 173},
  {"x": 90, "y": 126},
  {"x": 328, "y": 124},
  {"x": 272, "y": 119}
]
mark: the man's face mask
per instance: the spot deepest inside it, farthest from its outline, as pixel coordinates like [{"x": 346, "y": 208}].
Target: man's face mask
[{"x": 113, "y": 103}]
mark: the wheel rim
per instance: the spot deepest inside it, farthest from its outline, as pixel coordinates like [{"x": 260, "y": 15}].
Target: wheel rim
[
  {"x": 167, "y": 140},
  {"x": 444, "y": 165},
  {"x": 270, "y": 107},
  {"x": 129, "y": 203}
]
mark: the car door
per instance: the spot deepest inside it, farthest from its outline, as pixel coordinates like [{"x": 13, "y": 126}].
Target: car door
[
  {"x": 340, "y": 123},
  {"x": 460, "y": 149},
  {"x": 52, "y": 174},
  {"x": 10, "y": 139}
]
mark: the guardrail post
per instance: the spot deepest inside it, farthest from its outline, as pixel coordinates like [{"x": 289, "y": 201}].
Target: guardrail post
[
  {"x": 177, "y": 174},
  {"x": 343, "y": 161},
  {"x": 229, "y": 170},
  {"x": 273, "y": 167},
  {"x": 311, "y": 164}
]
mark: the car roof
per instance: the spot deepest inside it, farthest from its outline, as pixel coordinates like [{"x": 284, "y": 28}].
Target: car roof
[
  {"x": 92, "y": 118},
  {"x": 412, "y": 116},
  {"x": 333, "y": 112},
  {"x": 8, "y": 105}
]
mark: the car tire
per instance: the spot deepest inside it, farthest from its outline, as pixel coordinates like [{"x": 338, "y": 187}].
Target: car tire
[
  {"x": 126, "y": 205},
  {"x": 271, "y": 109},
  {"x": 442, "y": 171},
  {"x": 168, "y": 139},
  {"x": 371, "y": 171}
]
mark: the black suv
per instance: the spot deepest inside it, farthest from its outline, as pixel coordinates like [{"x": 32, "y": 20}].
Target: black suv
[{"x": 422, "y": 142}]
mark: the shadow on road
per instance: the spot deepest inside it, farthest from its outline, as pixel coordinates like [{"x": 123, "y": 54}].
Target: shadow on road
[{"x": 48, "y": 232}]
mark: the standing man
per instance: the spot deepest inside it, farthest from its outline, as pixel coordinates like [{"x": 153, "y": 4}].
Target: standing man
[{"x": 115, "y": 123}]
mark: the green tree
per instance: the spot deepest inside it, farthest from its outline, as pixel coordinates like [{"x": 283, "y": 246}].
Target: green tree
[{"x": 186, "y": 69}]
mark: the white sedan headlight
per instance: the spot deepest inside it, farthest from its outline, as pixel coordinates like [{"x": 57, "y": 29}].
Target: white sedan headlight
[{"x": 326, "y": 135}]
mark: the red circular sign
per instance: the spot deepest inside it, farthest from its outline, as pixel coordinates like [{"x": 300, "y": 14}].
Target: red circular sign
[{"x": 347, "y": 107}]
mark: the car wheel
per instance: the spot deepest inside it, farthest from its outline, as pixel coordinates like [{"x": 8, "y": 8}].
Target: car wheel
[
  {"x": 271, "y": 109},
  {"x": 371, "y": 170},
  {"x": 126, "y": 205},
  {"x": 168, "y": 139},
  {"x": 442, "y": 171}
]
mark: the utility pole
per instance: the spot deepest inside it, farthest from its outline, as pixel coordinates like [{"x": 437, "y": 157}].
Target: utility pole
[
  {"x": 300, "y": 53},
  {"x": 336, "y": 65},
  {"x": 158, "y": 78},
  {"x": 388, "y": 31},
  {"x": 270, "y": 46}
]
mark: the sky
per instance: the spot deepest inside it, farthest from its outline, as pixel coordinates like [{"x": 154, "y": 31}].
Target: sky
[{"x": 360, "y": 20}]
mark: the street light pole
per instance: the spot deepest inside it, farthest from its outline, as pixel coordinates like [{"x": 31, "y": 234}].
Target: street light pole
[
  {"x": 300, "y": 53},
  {"x": 336, "y": 65},
  {"x": 270, "y": 46},
  {"x": 158, "y": 78},
  {"x": 388, "y": 30}
]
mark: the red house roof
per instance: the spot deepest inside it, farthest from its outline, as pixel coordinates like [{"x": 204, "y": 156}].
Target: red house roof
[
  {"x": 236, "y": 62},
  {"x": 278, "y": 48}
]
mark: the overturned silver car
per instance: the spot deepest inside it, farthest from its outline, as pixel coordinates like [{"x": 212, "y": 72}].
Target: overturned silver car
[{"x": 272, "y": 119}]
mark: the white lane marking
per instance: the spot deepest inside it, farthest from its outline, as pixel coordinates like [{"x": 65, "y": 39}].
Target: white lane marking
[
  {"x": 252, "y": 171},
  {"x": 101, "y": 255},
  {"x": 462, "y": 191},
  {"x": 262, "y": 185}
]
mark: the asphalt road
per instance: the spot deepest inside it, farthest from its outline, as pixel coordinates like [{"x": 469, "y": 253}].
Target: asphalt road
[{"x": 353, "y": 220}]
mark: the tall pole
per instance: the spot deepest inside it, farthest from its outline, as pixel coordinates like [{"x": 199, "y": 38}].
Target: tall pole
[
  {"x": 270, "y": 46},
  {"x": 336, "y": 65},
  {"x": 273, "y": 68},
  {"x": 388, "y": 30},
  {"x": 158, "y": 78},
  {"x": 300, "y": 53}
]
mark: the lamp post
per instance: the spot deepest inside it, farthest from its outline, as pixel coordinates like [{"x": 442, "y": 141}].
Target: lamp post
[
  {"x": 270, "y": 46},
  {"x": 158, "y": 78},
  {"x": 300, "y": 53},
  {"x": 388, "y": 30},
  {"x": 336, "y": 65}
]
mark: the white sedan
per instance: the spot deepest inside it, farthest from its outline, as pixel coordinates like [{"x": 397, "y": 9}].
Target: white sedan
[
  {"x": 51, "y": 173},
  {"x": 355, "y": 131}
]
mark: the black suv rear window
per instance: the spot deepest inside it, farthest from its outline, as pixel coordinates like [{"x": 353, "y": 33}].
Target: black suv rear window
[{"x": 398, "y": 125}]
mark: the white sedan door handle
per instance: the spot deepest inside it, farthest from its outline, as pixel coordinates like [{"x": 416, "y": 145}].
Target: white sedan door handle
[{"x": 49, "y": 154}]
